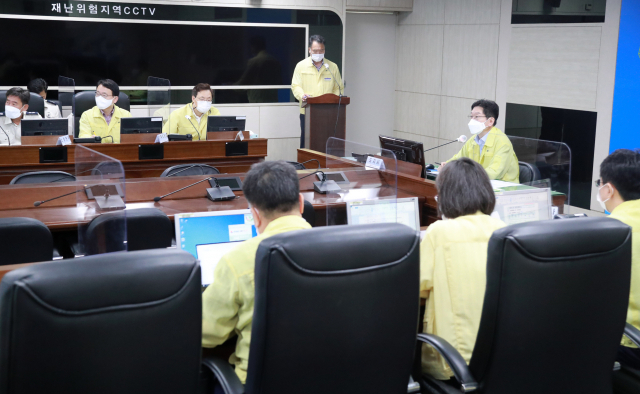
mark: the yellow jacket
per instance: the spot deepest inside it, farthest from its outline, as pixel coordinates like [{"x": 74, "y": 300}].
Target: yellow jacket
[
  {"x": 308, "y": 80},
  {"x": 453, "y": 269},
  {"x": 93, "y": 123},
  {"x": 629, "y": 213},
  {"x": 227, "y": 304},
  {"x": 497, "y": 158},
  {"x": 184, "y": 121}
]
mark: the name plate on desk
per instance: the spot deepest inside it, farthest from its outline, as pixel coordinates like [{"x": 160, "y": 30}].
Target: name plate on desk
[
  {"x": 151, "y": 152},
  {"x": 53, "y": 154}
]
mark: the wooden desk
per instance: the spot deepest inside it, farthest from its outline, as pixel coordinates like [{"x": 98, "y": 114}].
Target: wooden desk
[
  {"x": 15, "y": 160},
  {"x": 412, "y": 185},
  {"x": 64, "y": 214}
]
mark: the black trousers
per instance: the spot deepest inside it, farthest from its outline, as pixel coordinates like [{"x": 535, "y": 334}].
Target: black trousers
[
  {"x": 301, "y": 131},
  {"x": 629, "y": 357}
]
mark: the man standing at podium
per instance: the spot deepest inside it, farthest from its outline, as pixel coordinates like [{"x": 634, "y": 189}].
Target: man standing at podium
[{"x": 314, "y": 76}]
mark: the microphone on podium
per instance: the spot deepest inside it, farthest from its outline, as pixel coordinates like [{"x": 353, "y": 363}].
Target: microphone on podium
[{"x": 462, "y": 139}]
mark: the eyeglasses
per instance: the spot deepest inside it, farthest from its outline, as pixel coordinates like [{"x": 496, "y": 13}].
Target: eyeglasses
[
  {"x": 598, "y": 183},
  {"x": 103, "y": 95},
  {"x": 204, "y": 99},
  {"x": 317, "y": 51},
  {"x": 475, "y": 116}
]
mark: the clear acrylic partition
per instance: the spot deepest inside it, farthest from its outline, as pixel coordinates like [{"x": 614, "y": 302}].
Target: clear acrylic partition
[
  {"x": 66, "y": 92},
  {"x": 552, "y": 160},
  {"x": 358, "y": 182},
  {"x": 159, "y": 98},
  {"x": 103, "y": 179}
]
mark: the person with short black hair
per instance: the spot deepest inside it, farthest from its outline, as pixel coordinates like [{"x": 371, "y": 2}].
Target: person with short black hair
[
  {"x": 273, "y": 192},
  {"x": 15, "y": 110},
  {"x": 619, "y": 193},
  {"x": 313, "y": 77},
  {"x": 453, "y": 261},
  {"x": 490, "y": 147},
  {"x": 193, "y": 117},
  {"x": 103, "y": 120},
  {"x": 39, "y": 86}
]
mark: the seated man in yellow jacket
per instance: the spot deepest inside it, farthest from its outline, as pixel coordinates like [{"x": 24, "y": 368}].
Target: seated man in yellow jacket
[
  {"x": 490, "y": 147},
  {"x": 273, "y": 193},
  {"x": 619, "y": 193},
  {"x": 103, "y": 120},
  {"x": 314, "y": 76},
  {"x": 192, "y": 118}
]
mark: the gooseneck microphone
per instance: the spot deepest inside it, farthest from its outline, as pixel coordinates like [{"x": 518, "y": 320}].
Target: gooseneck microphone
[
  {"x": 324, "y": 176},
  {"x": 462, "y": 139},
  {"x": 156, "y": 199},
  {"x": 38, "y": 203},
  {"x": 316, "y": 160},
  {"x": 335, "y": 128}
]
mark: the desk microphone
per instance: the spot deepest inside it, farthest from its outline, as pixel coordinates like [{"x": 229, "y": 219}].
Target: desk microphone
[
  {"x": 38, "y": 203},
  {"x": 220, "y": 193},
  {"x": 324, "y": 186},
  {"x": 156, "y": 199},
  {"x": 335, "y": 128},
  {"x": 316, "y": 160},
  {"x": 462, "y": 139}
]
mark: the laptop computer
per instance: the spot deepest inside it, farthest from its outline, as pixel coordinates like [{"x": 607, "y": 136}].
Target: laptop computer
[
  {"x": 520, "y": 206},
  {"x": 210, "y": 235},
  {"x": 401, "y": 210}
]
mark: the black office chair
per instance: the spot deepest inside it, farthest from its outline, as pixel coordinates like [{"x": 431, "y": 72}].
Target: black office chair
[
  {"x": 24, "y": 240},
  {"x": 627, "y": 380},
  {"x": 543, "y": 328},
  {"x": 528, "y": 172},
  {"x": 42, "y": 177},
  {"x": 340, "y": 306},
  {"x": 190, "y": 169},
  {"x": 119, "y": 323},
  {"x": 84, "y": 101},
  {"x": 57, "y": 102},
  {"x": 146, "y": 228},
  {"x": 108, "y": 169},
  {"x": 36, "y": 102},
  {"x": 309, "y": 213}
]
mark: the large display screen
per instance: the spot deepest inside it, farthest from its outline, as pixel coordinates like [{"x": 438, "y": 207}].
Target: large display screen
[{"x": 129, "y": 52}]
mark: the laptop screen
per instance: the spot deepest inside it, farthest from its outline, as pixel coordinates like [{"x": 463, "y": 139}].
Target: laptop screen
[
  {"x": 519, "y": 206},
  {"x": 401, "y": 210},
  {"x": 209, "y": 235}
]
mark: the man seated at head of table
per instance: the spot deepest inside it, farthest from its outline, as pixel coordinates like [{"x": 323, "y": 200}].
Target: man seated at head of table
[
  {"x": 192, "y": 118},
  {"x": 490, "y": 146},
  {"x": 103, "y": 120},
  {"x": 15, "y": 110}
]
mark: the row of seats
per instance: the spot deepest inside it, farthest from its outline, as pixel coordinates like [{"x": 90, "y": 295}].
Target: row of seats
[
  {"x": 107, "y": 168},
  {"x": 27, "y": 240},
  {"x": 336, "y": 311}
]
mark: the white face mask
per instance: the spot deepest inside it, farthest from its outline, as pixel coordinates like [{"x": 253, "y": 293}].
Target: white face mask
[
  {"x": 317, "y": 57},
  {"x": 103, "y": 103},
  {"x": 599, "y": 199},
  {"x": 12, "y": 112},
  {"x": 476, "y": 127},
  {"x": 203, "y": 106}
]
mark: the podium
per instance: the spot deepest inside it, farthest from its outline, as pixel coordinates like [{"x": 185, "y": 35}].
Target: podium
[{"x": 320, "y": 120}]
